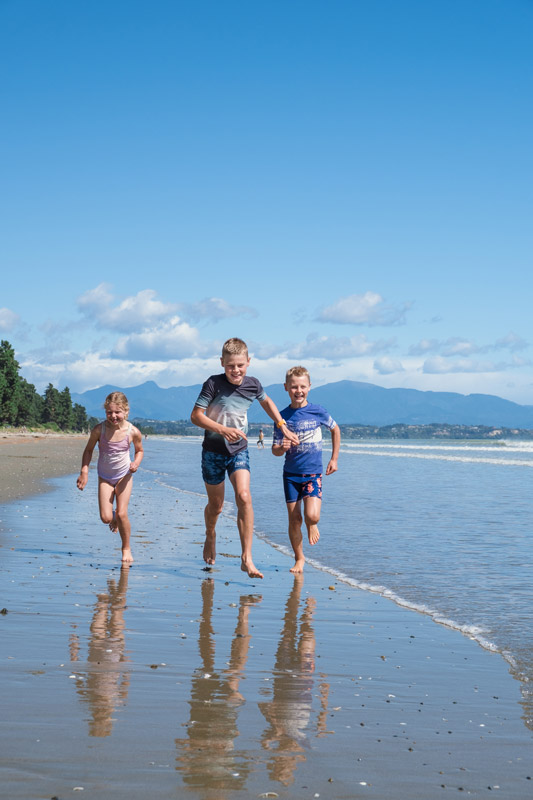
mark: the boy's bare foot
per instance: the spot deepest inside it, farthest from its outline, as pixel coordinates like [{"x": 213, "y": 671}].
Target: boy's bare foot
[
  {"x": 127, "y": 557},
  {"x": 210, "y": 550},
  {"x": 314, "y": 534},
  {"x": 298, "y": 566},
  {"x": 251, "y": 569}
]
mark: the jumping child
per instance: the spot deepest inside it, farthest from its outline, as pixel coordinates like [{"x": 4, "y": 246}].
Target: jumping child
[
  {"x": 302, "y": 471},
  {"x": 221, "y": 411},
  {"x": 115, "y": 469}
]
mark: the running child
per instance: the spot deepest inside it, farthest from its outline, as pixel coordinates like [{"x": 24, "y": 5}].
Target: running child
[
  {"x": 115, "y": 469},
  {"x": 221, "y": 410},
  {"x": 302, "y": 471}
]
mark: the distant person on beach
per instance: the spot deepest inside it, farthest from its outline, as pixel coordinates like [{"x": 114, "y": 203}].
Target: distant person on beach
[
  {"x": 115, "y": 469},
  {"x": 221, "y": 409},
  {"x": 302, "y": 471},
  {"x": 261, "y": 439}
]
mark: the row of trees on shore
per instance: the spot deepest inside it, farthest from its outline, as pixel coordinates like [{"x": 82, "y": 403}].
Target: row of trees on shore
[{"x": 22, "y": 406}]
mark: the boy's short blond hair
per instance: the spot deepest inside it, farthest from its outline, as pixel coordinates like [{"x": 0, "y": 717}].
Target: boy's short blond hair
[
  {"x": 234, "y": 347},
  {"x": 297, "y": 372},
  {"x": 119, "y": 399}
]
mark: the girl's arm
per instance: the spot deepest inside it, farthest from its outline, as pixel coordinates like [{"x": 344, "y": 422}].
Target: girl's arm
[
  {"x": 83, "y": 477},
  {"x": 335, "y": 447},
  {"x": 271, "y": 409},
  {"x": 137, "y": 440}
]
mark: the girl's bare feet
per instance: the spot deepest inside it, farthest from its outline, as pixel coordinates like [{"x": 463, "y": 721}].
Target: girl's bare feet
[
  {"x": 127, "y": 557},
  {"x": 113, "y": 525}
]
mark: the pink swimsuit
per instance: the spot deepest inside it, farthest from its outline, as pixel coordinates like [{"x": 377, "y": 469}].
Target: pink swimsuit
[{"x": 113, "y": 457}]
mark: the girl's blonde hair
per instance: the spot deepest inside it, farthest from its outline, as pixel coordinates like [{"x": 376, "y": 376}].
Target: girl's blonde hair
[{"x": 119, "y": 399}]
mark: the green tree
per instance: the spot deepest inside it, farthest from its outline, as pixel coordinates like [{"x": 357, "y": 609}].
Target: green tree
[
  {"x": 30, "y": 409},
  {"x": 52, "y": 405},
  {"x": 80, "y": 417},
  {"x": 65, "y": 418},
  {"x": 10, "y": 384}
]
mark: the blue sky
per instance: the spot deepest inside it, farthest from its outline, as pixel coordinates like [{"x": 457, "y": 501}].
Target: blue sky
[{"x": 344, "y": 184}]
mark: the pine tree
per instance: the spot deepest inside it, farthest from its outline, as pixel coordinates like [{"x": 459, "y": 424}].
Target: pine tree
[{"x": 10, "y": 384}]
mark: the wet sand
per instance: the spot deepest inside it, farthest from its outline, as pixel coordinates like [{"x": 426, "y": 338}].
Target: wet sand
[
  {"x": 164, "y": 680},
  {"x": 27, "y": 461}
]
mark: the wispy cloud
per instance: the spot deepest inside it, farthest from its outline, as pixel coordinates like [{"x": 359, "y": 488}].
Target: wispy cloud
[
  {"x": 388, "y": 366},
  {"x": 459, "y": 346},
  {"x": 215, "y": 309},
  {"x": 8, "y": 320},
  {"x": 364, "y": 309},
  {"x": 336, "y": 347}
]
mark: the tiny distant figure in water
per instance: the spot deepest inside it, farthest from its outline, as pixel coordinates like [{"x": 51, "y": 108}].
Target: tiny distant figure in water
[
  {"x": 115, "y": 468},
  {"x": 261, "y": 439},
  {"x": 302, "y": 471},
  {"x": 221, "y": 410}
]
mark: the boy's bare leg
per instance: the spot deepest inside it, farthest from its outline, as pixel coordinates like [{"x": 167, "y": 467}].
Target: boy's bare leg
[
  {"x": 215, "y": 502},
  {"x": 312, "y": 507},
  {"x": 240, "y": 480},
  {"x": 295, "y": 535},
  {"x": 123, "y": 494}
]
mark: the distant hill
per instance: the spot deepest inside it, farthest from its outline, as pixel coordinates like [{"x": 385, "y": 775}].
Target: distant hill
[{"x": 349, "y": 402}]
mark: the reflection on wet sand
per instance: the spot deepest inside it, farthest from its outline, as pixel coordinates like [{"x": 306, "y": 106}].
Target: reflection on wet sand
[
  {"x": 104, "y": 685},
  {"x": 290, "y": 709},
  {"x": 207, "y": 757}
]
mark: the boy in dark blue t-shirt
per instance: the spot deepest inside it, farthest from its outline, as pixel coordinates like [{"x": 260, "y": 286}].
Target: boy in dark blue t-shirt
[
  {"x": 221, "y": 410},
  {"x": 302, "y": 471}
]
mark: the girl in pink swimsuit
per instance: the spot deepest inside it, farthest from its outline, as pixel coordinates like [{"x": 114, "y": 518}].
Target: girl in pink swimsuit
[{"x": 115, "y": 469}]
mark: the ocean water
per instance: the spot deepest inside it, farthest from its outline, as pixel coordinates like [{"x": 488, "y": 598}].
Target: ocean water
[{"x": 443, "y": 528}]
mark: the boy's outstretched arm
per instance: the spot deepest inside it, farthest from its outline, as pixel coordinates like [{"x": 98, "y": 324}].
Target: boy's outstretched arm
[
  {"x": 198, "y": 417},
  {"x": 335, "y": 447},
  {"x": 272, "y": 410}
]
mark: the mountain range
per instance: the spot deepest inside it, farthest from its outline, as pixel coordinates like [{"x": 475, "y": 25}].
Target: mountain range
[{"x": 349, "y": 402}]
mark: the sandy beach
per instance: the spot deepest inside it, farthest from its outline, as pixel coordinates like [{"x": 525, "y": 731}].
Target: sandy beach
[{"x": 165, "y": 680}]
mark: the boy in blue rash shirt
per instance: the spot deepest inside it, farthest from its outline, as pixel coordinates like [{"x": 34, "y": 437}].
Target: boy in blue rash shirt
[
  {"x": 302, "y": 471},
  {"x": 221, "y": 411}
]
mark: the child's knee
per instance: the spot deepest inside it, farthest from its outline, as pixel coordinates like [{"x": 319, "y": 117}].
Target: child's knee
[
  {"x": 243, "y": 498},
  {"x": 106, "y": 517},
  {"x": 312, "y": 517},
  {"x": 215, "y": 506},
  {"x": 121, "y": 516}
]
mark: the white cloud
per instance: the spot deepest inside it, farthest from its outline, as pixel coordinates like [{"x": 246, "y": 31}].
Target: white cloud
[
  {"x": 424, "y": 346},
  {"x": 214, "y": 309},
  {"x": 511, "y": 342},
  {"x": 440, "y": 366},
  {"x": 363, "y": 309},
  {"x": 8, "y": 320},
  {"x": 387, "y": 366},
  {"x": 334, "y": 347},
  {"x": 172, "y": 339},
  {"x": 134, "y": 313}
]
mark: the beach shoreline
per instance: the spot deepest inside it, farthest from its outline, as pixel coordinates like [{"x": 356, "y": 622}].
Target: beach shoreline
[
  {"x": 28, "y": 461},
  {"x": 175, "y": 678}
]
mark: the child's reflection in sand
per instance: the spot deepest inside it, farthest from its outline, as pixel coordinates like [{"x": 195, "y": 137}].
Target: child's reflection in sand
[
  {"x": 207, "y": 757},
  {"x": 105, "y": 685},
  {"x": 289, "y": 711}
]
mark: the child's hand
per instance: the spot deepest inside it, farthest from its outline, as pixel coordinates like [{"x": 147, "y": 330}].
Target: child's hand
[
  {"x": 331, "y": 467},
  {"x": 81, "y": 483},
  {"x": 292, "y": 437},
  {"x": 133, "y": 467},
  {"x": 286, "y": 443},
  {"x": 233, "y": 435}
]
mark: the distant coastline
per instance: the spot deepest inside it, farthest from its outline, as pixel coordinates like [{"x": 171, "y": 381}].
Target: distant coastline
[{"x": 442, "y": 431}]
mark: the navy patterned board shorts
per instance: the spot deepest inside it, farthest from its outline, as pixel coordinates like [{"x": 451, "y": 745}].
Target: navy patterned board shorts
[
  {"x": 298, "y": 487},
  {"x": 215, "y": 465}
]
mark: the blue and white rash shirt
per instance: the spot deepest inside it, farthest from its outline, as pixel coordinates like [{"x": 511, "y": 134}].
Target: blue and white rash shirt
[{"x": 304, "y": 458}]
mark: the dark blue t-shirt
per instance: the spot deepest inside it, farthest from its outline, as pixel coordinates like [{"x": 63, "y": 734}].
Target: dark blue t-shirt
[{"x": 304, "y": 458}]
